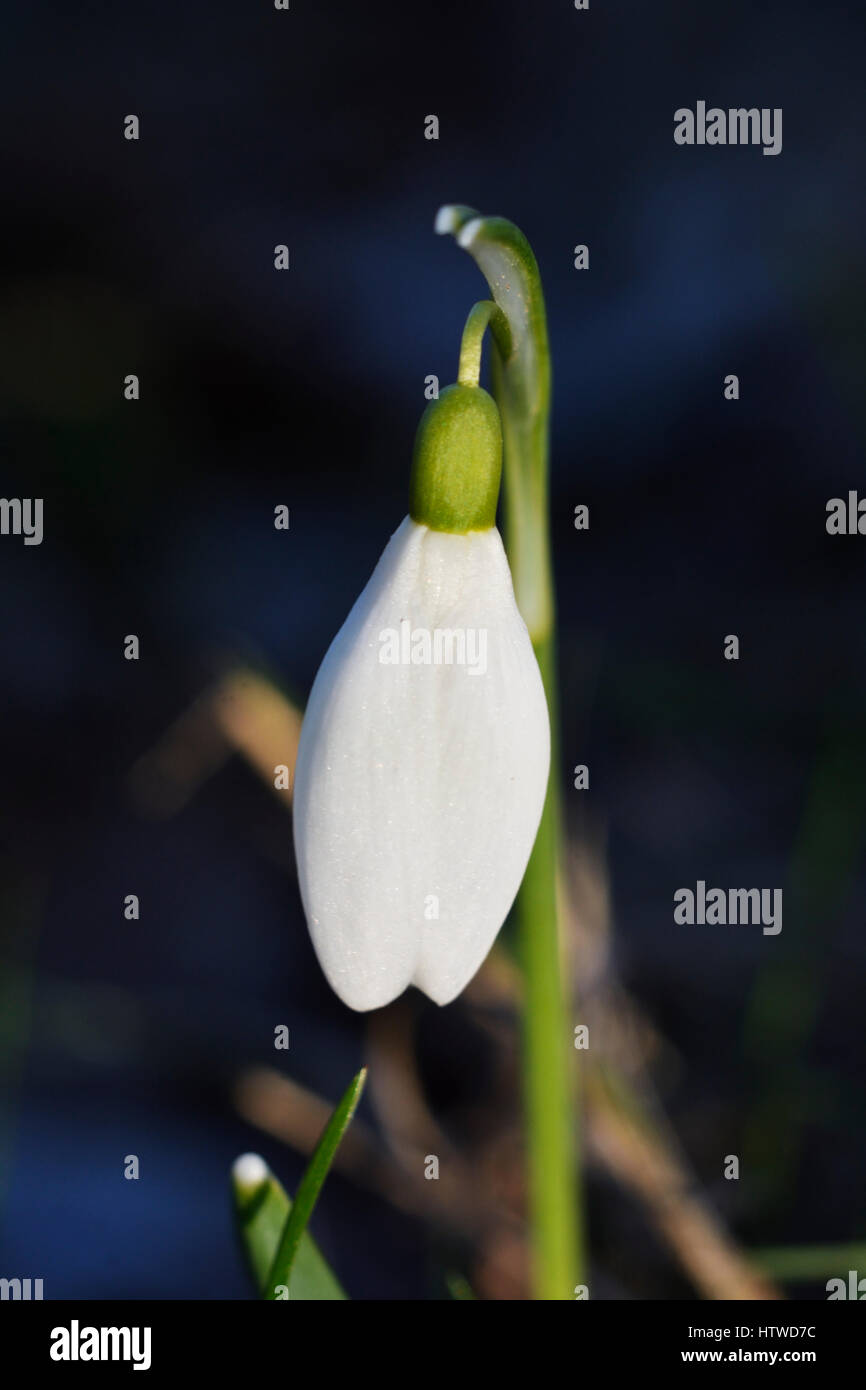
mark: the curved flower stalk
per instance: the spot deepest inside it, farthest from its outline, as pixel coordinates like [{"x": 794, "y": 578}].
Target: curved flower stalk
[
  {"x": 522, "y": 386},
  {"x": 425, "y": 749}
]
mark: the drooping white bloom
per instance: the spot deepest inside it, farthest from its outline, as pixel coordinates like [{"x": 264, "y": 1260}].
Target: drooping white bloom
[{"x": 420, "y": 779}]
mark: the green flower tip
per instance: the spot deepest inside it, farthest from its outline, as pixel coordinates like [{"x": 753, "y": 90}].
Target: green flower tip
[{"x": 457, "y": 463}]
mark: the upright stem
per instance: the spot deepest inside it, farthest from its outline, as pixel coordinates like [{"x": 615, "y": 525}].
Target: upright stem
[
  {"x": 549, "y": 1085},
  {"x": 550, "y": 1063},
  {"x": 522, "y": 390}
]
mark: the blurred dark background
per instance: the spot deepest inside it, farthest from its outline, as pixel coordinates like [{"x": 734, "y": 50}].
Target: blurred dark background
[{"x": 707, "y": 517}]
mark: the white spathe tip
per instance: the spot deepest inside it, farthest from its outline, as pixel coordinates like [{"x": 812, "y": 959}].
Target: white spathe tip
[
  {"x": 446, "y": 219},
  {"x": 419, "y": 782},
  {"x": 468, "y": 233},
  {"x": 249, "y": 1171}
]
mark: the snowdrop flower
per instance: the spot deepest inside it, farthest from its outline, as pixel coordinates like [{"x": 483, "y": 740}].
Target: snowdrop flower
[{"x": 425, "y": 749}]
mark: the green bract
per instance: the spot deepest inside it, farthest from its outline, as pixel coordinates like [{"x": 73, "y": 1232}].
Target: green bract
[{"x": 457, "y": 462}]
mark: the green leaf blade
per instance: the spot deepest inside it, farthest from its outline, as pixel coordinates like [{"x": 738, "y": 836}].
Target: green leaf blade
[
  {"x": 310, "y": 1186},
  {"x": 262, "y": 1208}
]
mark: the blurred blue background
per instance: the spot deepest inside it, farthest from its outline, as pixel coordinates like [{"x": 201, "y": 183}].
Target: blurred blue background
[{"x": 261, "y": 127}]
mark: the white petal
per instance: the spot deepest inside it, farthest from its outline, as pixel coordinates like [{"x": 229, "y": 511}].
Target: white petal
[{"x": 424, "y": 782}]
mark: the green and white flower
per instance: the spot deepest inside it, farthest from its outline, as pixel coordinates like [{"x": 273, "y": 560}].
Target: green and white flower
[{"x": 421, "y": 778}]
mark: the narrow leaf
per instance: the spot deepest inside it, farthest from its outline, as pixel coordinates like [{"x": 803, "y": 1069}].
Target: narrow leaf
[
  {"x": 262, "y": 1208},
  {"x": 810, "y": 1263},
  {"x": 310, "y": 1187}
]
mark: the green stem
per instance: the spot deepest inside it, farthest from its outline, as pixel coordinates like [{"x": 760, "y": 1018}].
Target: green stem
[
  {"x": 480, "y": 315},
  {"x": 550, "y": 1075},
  {"x": 521, "y": 378}
]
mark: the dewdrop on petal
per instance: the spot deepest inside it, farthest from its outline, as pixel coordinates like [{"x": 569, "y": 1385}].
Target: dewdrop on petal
[{"x": 420, "y": 780}]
